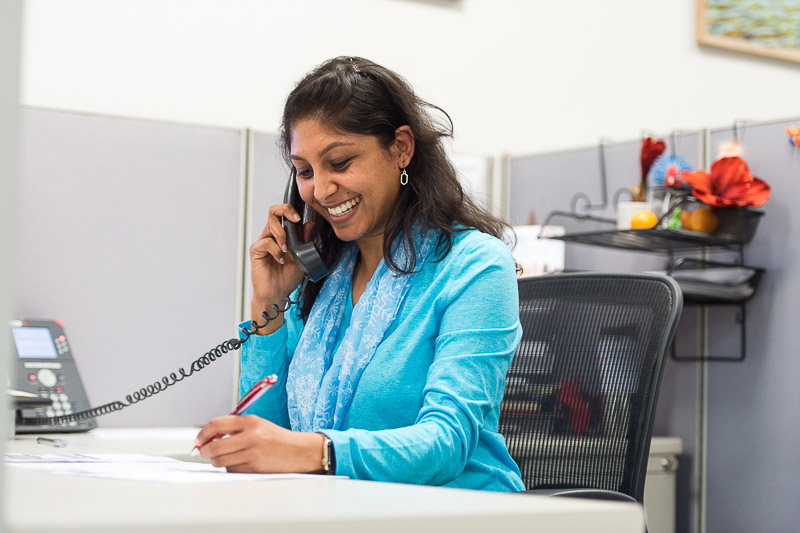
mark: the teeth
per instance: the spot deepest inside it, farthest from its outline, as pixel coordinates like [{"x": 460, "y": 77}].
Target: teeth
[{"x": 345, "y": 207}]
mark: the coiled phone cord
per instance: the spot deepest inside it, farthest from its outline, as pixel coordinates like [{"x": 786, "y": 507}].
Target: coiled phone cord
[{"x": 166, "y": 381}]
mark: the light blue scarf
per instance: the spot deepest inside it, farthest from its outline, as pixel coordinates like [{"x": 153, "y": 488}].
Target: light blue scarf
[{"x": 321, "y": 383}]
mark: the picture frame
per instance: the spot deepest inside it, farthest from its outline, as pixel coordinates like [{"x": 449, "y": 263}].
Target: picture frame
[{"x": 769, "y": 28}]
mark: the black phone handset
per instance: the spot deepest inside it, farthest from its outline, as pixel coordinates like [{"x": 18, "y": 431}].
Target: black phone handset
[{"x": 305, "y": 254}]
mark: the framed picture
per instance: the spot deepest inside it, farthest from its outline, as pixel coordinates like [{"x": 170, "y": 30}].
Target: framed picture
[{"x": 764, "y": 27}]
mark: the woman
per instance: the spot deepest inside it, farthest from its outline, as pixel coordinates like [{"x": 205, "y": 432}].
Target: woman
[{"x": 393, "y": 367}]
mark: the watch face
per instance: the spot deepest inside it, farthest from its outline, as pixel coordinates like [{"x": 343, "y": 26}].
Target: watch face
[{"x": 330, "y": 466}]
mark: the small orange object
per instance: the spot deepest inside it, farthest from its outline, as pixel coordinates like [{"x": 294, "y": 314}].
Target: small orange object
[
  {"x": 704, "y": 219},
  {"x": 686, "y": 219},
  {"x": 643, "y": 219}
]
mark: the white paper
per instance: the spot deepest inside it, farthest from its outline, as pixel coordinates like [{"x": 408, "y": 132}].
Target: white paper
[
  {"x": 537, "y": 255},
  {"x": 136, "y": 468},
  {"x": 84, "y": 458},
  {"x": 185, "y": 433}
]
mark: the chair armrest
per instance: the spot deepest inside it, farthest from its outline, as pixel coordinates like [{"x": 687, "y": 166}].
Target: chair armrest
[{"x": 592, "y": 494}]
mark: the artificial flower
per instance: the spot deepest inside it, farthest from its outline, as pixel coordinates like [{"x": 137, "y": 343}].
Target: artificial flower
[
  {"x": 650, "y": 151},
  {"x": 666, "y": 170},
  {"x": 730, "y": 183}
]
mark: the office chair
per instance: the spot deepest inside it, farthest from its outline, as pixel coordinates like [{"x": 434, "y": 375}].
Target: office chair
[{"x": 581, "y": 391}]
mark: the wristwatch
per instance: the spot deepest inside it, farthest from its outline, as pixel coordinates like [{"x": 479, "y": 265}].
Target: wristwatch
[{"x": 328, "y": 456}]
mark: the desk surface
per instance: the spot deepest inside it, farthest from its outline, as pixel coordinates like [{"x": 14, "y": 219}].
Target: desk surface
[{"x": 39, "y": 502}]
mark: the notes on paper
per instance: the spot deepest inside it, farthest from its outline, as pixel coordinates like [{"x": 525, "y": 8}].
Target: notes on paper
[{"x": 133, "y": 467}]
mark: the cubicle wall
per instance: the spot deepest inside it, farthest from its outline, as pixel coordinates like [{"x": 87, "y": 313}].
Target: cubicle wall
[
  {"x": 266, "y": 184},
  {"x": 128, "y": 233},
  {"x": 753, "y": 427},
  {"x": 751, "y": 460}
]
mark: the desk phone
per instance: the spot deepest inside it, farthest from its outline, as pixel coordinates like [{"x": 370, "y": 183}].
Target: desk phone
[{"x": 44, "y": 366}]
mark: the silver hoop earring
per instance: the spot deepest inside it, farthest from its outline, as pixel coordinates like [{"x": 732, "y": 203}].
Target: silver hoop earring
[{"x": 404, "y": 178}]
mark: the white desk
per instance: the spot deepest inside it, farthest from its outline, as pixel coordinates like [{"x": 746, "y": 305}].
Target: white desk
[{"x": 37, "y": 502}]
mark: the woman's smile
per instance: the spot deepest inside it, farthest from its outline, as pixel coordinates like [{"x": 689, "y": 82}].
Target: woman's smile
[{"x": 344, "y": 210}]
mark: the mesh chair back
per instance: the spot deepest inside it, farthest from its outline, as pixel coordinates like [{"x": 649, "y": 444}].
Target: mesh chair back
[{"x": 582, "y": 387}]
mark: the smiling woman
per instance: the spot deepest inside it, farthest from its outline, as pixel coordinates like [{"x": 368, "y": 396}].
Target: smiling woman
[
  {"x": 354, "y": 98},
  {"x": 345, "y": 179},
  {"x": 393, "y": 367}
]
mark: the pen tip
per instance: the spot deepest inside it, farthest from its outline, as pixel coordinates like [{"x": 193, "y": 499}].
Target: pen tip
[{"x": 194, "y": 451}]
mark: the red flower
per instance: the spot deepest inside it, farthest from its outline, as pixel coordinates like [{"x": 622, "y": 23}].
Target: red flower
[
  {"x": 730, "y": 183},
  {"x": 650, "y": 151}
]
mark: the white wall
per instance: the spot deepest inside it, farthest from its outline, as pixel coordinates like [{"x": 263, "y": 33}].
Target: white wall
[
  {"x": 10, "y": 24},
  {"x": 517, "y": 76}
]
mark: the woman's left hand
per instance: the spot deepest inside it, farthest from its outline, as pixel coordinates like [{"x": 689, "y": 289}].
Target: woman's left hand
[{"x": 253, "y": 444}]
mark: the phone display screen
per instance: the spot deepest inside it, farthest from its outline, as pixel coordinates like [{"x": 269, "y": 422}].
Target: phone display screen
[{"x": 34, "y": 343}]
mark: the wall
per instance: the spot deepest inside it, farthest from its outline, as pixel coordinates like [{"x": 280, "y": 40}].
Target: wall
[
  {"x": 130, "y": 237},
  {"x": 10, "y": 26},
  {"x": 753, "y": 428},
  {"x": 516, "y": 77}
]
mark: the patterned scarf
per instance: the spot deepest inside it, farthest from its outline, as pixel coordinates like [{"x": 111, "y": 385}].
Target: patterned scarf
[{"x": 321, "y": 383}]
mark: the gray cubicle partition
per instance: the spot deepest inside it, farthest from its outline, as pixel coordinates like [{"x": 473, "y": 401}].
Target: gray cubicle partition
[
  {"x": 128, "y": 233},
  {"x": 266, "y": 183},
  {"x": 543, "y": 183},
  {"x": 753, "y": 427}
]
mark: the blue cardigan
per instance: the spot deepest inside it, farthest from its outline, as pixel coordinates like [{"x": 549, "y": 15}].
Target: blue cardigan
[{"x": 426, "y": 407}]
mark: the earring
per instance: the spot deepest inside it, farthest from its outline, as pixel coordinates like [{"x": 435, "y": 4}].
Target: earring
[{"x": 404, "y": 178}]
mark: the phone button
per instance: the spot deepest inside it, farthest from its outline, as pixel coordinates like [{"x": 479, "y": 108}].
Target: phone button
[
  {"x": 41, "y": 364},
  {"x": 47, "y": 377}
]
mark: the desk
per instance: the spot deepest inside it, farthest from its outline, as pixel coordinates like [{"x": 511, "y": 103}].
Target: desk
[{"x": 37, "y": 502}]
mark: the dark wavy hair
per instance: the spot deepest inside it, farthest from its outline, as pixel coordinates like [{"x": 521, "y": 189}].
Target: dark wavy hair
[{"x": 355, "y": 95}]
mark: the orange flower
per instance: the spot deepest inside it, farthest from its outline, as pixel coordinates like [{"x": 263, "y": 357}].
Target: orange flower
[{"x": 730, "y": 183}]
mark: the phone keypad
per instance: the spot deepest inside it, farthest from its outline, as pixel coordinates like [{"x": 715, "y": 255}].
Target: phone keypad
[
  {"x": 61, "y": 405},
  {"x": 61, "y": 344}
]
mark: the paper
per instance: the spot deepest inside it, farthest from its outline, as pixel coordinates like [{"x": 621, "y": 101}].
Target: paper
[
  {"x": 185, "y": 433},
  {"x": 84, "y": 458},
  {"x": 134, "y": 468},
  {"x": 535, "y": 255}
]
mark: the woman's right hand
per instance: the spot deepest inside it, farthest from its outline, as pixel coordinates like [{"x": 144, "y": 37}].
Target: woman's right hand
[{"x": 274, "y": 273}]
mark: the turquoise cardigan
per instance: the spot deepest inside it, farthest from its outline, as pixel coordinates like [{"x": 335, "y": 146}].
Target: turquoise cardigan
[{"x": 426, "y": 407}]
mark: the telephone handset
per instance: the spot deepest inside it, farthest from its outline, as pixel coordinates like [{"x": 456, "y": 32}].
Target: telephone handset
[{"x": 305, "y": 254}]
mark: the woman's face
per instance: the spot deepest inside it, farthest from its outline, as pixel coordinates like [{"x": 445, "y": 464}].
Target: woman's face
[{"x": 349, "y": 179}]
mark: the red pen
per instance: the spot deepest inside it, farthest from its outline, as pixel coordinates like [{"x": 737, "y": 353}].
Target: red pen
[{"x": 247, "y": 400}]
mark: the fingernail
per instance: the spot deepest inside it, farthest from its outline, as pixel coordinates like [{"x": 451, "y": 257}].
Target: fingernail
[
  {"x": 296, "y": 217},
  {"x": 281, "y": 260},
  {"x": 284, "y": 248}
]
